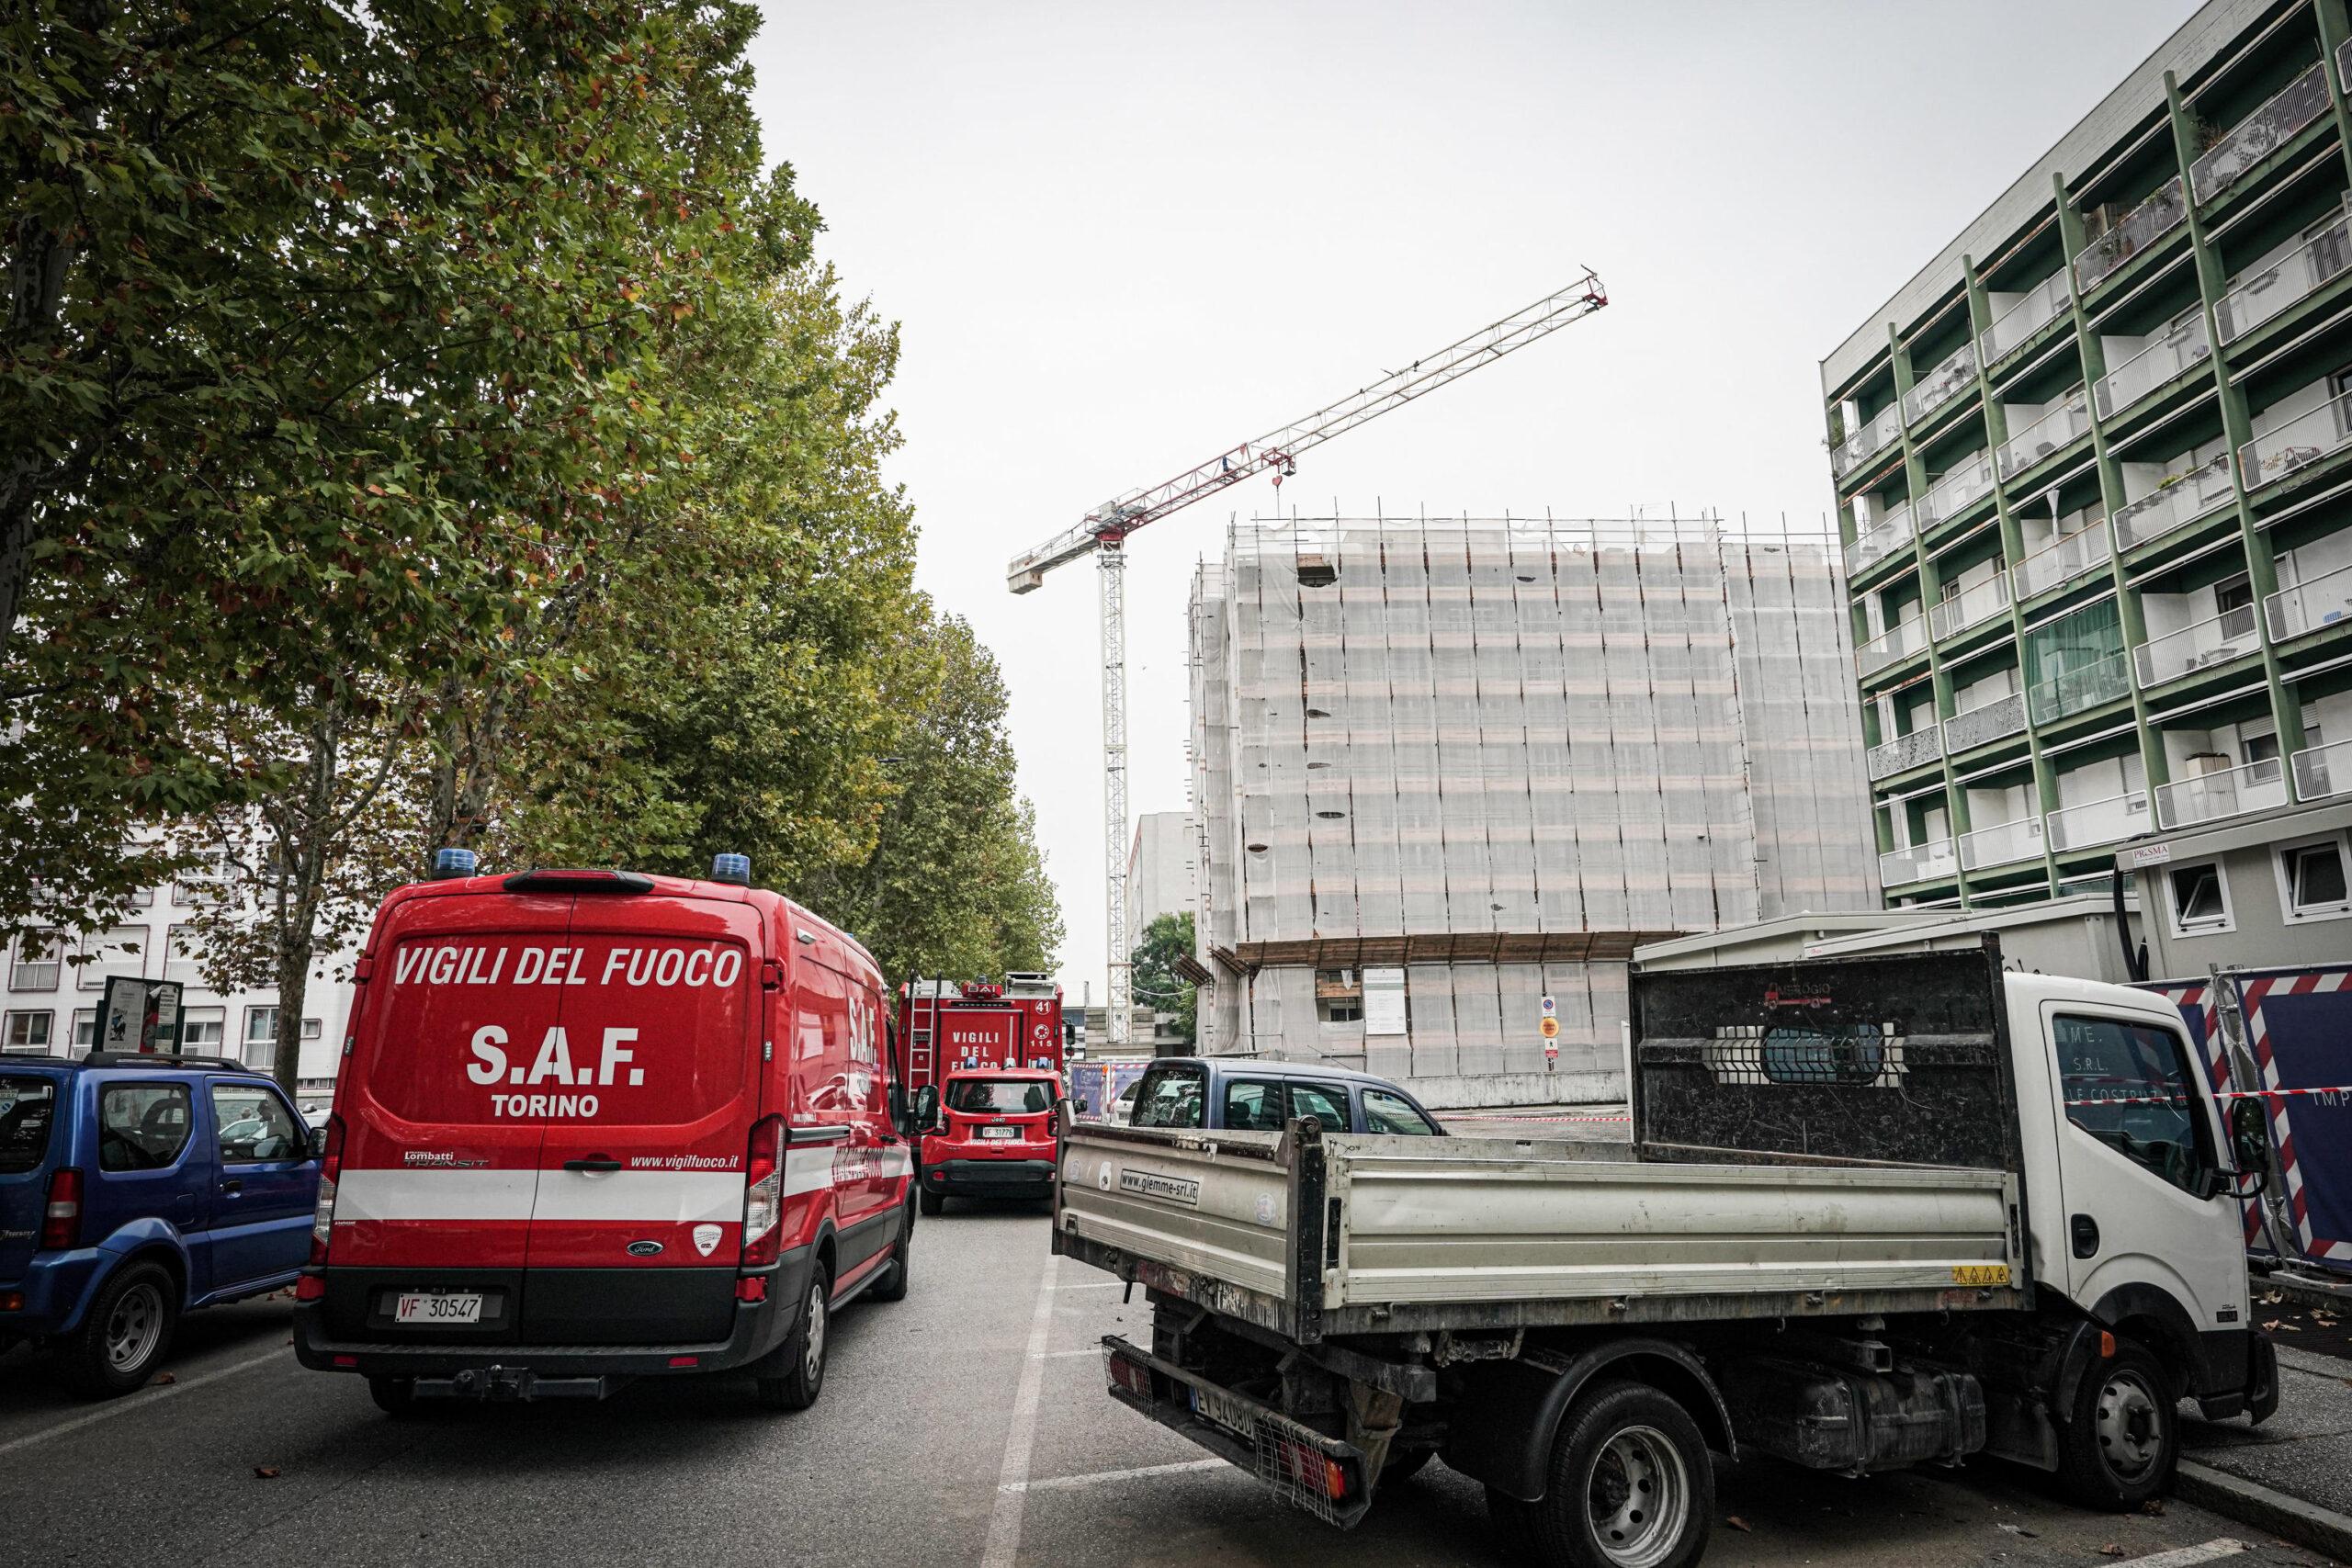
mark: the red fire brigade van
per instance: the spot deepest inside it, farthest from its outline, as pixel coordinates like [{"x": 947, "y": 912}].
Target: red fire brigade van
[{"x": 593, "y": 1125}]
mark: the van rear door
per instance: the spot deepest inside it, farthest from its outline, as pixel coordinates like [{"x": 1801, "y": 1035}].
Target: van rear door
[
  {"x": 649, "y": 1096},
  {"x": 981, "y": 1037},
  {"x": 440, "y": 1167}
]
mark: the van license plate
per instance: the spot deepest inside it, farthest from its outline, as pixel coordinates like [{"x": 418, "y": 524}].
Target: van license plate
[
  {"x": 1000, "y": 1132},
  {"x": 438, "y": 1307}
]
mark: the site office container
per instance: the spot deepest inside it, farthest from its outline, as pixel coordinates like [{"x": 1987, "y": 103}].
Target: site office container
[
  {"x": 949, "y": 1025},
  {"x": 596, "y": 1125}
]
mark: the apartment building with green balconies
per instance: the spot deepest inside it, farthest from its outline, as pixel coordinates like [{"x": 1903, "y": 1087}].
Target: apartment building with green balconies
[{"x": 2094, "y": 473}]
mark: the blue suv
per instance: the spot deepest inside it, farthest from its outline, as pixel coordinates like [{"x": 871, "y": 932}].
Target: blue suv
[{"x": 133, "y": 1189}]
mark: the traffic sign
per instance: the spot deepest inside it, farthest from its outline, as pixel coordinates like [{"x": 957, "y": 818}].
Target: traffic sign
[
  {"x": 1551, "y": 1027},
  {"x": 1549, "y": 1007}
]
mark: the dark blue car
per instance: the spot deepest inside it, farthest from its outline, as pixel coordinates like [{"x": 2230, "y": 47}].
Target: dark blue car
[{"x": 134, "y": 1189}]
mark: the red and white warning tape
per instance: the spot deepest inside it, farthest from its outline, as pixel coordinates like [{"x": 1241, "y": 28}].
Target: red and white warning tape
[{"x": 2220, "y": 1094}]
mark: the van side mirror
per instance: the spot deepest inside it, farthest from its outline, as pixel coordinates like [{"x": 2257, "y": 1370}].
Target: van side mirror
[
  {"x": 927, "y": 1105},
  {"x": 2250, "y": 1142},
  {"x": 318, "y": 1142}
]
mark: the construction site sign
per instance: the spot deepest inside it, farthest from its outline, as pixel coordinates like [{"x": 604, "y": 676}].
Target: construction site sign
[{"x": 140, "y": 1016}]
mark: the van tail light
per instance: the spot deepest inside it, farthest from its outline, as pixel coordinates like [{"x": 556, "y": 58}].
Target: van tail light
[
  {"x": 763, "y": 1194},
  {"x": 330, "y": 1170},
  {"x": 60, "y": 1222}
]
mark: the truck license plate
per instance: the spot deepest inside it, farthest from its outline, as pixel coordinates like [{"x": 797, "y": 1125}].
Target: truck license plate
[
  {"x": 438, "y": 1307},
  {"x": 1228, "y": 1411},
  {"x": 1000, "y": 1132}
]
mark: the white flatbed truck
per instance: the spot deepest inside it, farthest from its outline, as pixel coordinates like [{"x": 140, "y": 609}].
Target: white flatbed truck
[{"x": 1875, "y": 1212}]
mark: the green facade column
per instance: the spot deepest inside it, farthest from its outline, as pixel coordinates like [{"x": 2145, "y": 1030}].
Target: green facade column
[{"x": 2332, "y": 30}]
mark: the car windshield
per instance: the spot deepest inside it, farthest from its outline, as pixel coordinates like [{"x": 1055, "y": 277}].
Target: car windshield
[
  {"x": 1002, "y": 1097},
  {"x": 27, "y": 1105}
]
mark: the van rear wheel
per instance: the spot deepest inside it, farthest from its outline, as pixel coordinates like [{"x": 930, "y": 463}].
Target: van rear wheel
[
  {"x": 791, "y": 1376},
  {"x": 1631, "y": 1485}
]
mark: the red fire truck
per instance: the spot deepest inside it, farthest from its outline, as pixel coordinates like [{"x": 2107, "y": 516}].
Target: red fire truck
[{"x": 990, "y": 1056}]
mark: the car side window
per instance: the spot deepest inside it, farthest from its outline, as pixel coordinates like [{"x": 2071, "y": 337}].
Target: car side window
[
  {"x": 1171, "y": 1097},
  {"x": 143, "y": 1126},
  {"x": 1252, "y": 1106},
  {"x": 2132, "y": 1086},
  {"x": 1327, "y": 1102},
  {"x": 252, "y": 1125},
  {"x": 1385, "y": 1113}
]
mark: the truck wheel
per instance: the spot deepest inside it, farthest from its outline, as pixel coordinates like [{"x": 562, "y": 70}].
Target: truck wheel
[
  {"x": 1630, "y": 1484},
  {"x": 125, "y": 1335},
  {"x": 892, "y": 1286},
  {"x": 2122, "y": 1438},
  {"x": 396, "y": 1397},
  {"x": 791, "y": 1376},
  {"x": 932, "y": 1201}
]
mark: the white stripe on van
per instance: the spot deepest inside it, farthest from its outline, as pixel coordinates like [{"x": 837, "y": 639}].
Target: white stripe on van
[
  {"x": 808, "y": 1170},
  {"x": 681, "y": 1197}
]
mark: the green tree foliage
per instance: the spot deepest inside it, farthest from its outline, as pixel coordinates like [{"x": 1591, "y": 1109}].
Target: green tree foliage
[
  {"x": 954, "y": 883},
  {"x": 1158, "y": 984}
]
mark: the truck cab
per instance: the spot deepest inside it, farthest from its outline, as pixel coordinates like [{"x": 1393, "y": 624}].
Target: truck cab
[{"x": 992, "y": 1135}]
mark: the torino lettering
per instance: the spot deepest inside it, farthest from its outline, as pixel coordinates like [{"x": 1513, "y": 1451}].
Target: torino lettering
[{"x": 543, "y": 1105}]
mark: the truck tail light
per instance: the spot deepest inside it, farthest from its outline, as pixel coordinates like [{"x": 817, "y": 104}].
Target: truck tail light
[
  {"x": 329, "y": 1171},
  {"x": 1308, "y": 1466},
  {"x": 60, "y": 1222},
  {"x": 763, "y": 1194}
]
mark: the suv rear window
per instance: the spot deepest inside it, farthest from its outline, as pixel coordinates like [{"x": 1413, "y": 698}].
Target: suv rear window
[
  {"x": 1001, "y": 1097},
  {"x": 27, "y": 1105}
]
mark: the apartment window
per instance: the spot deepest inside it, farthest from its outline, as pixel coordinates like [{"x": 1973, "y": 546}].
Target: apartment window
[
  {"x": 1339, "y": 995},
  {"x": 2314, "y": 880},
  {"x": 313, "y": 1028},
  {"x": 122, "y": 950},
  {"x": 261, "y": 1037},
  {"x": 201, "y": 1030},
  {"x": 180, "y": 955},
  {"x": 2233, "y": 593},
  {"x": 38, "y": 956},
  {"x": 86, "y": 1030},
  {"x": 27, "y": 1034},
  {"x": 2201, "y": 900}
]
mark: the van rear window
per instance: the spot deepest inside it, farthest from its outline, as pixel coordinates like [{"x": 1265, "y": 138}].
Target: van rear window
[{"x": 27, "y": 1105}]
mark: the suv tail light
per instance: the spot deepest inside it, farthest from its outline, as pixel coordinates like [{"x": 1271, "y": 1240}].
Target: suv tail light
[
  {"x": 330, "y": 1169},
  {"x": 763, "y": 1194},
  {"x": 60, "y": 1222}
]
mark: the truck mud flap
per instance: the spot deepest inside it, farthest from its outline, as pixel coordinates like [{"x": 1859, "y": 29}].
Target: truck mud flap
[{"x": 1317, "y": 1475}]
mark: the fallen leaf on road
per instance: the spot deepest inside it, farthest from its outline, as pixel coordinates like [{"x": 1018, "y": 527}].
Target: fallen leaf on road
[
  {"x": 2020, "y": 1529},
  {"x": 2112, "y": 1549},
  {"x": 2154, "y": 1507},
  {"x": 264, "y": 1472},
  {"x": 1735, "y": 1522},
  {"x": 163, "y": 1378},
  {"x": 2271, "y": 1323}
]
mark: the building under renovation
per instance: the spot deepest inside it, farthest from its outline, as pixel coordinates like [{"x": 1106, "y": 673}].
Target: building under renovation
[{"x": 1443, "y": 770}]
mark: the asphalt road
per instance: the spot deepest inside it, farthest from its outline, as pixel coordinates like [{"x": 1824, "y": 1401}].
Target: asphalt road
[{"x": 965, "y": 1425}]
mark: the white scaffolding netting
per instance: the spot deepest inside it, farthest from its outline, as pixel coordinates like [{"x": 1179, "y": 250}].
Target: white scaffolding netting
[{"x": 1412, "y": 736}]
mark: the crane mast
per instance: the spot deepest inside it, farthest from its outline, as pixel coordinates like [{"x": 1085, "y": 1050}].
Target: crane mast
[{"x": 1103, "y": 532}]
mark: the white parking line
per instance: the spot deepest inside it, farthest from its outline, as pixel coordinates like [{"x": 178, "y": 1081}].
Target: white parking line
[
  {"x": 1094, "y": 1350},
  {"x": 1067, "y": 1482},
  {"x": 2185, "y": 1556},
  {"x": 1012, "y": 1476},
  {"x": 139, "y": 1402},
  {"x": 1092, "y": 1285}
]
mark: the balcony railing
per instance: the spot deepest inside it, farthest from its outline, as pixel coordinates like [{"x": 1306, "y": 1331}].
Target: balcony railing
[
  {"x": 2162, "y": 362},
  {"x": 1888, "y": 535},
  {"x": 2004, "y": 843},
  {"x": 1866, "y": 441},
  {"x": 2254, "y": 299},
  {"x": 1920, "y": 862},
  {"x": 1899, "y": 642},
  {"x": 1986, "y": 722},
  {"x": 2297, "y": 443},
  {"x": 2217, "y": 640},
  {"x": 2044, "y": 302},
  {"x": 2261, "y": 133},
  {"x": 2159, "y": 215},
  {"x": 2085, "y": 686},
  {"x": 1969, "y": 607},
  {"x": 2062, "y": 561},
  {"x": 2232, "y": 792},
  {"x": 1902, "y": 752},
  {"x": 2323, "y": 773},
  {"x": 1953, "y": 376},
  {"x": 2093, "y": 822},
  {"x": 2068, "y": 419},
  {"x": 1960, "y": 489},
  {"x": 2175, "y": 503},
  {"x": 2324, "y": 601}
]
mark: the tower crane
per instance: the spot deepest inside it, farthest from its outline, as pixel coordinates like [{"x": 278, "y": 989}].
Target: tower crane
[{"x": 1103, "y": 534}]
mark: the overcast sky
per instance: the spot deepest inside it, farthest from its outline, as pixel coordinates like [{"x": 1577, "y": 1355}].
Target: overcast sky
[{"x": 1120, "y": 238}]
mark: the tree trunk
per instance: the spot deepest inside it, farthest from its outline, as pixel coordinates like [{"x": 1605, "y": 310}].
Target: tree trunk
[{"x": 293, "y": 991}]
